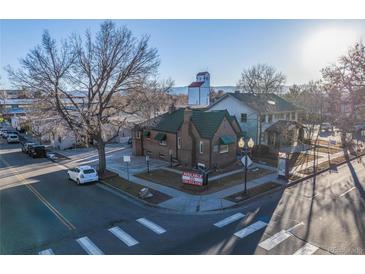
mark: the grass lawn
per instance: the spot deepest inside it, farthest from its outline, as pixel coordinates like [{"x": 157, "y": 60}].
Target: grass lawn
[
  {"x": 325, "y": 143},
  {"x": 297, "y": 159},
  {"x": 241, "y": 196},
  {"x": 268, "y": 160},
  {"x": 330, "y": 150},
  {"x": 324, "y": 165},
  {"x": 173, "y": 180},
  {"x": 115, "y": 181},
  {"x": 235, "y": 166}
]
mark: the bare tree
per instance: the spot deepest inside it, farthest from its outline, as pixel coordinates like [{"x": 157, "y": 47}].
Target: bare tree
[
  {"x": 261, "y": 78},
  {"x": 344, "y": 83},
  {"x": 102, "y": 67},
  {"x": 215, "y": 95},
  {"x": 150, "y": 98}
]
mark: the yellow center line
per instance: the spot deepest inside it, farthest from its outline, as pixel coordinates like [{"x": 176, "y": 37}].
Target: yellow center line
[{"x": 40, "y": 197}]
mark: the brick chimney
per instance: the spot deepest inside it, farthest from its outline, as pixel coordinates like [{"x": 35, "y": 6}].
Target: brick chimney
[{"x": 187, "y": 141}]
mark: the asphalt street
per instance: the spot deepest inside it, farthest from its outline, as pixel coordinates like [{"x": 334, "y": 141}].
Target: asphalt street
[{"x": 42, "y": 212}]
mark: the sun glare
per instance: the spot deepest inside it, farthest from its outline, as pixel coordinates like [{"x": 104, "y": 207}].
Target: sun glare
[{"x": 324, "y": 45}]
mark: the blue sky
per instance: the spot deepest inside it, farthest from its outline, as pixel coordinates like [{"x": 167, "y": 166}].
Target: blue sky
[{"x": 298, "y": 48}]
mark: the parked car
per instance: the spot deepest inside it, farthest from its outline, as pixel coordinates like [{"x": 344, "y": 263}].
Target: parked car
[
  {"x": 326, "y": 126},
  {"x": 83, "y": 174},
  {"x": 8, "y": 132},
  {"x": 12, "y": 138},
  {"x": 26, "y": 147},
  {"x": 129, "y": 141},
  {"x": 29, "y": 148},
  {"x": 37, "y": 151}
]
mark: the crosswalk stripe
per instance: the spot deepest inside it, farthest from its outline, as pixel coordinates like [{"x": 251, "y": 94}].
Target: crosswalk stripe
[
  {"x": 151, "y": 225},
  {"x": 278, "y": 238},
  {"x": 274, "y": 240},
  {"x": 307, "y": 249},
  {"x": 229, "y": 220},
  {"x": 250, "y": 229},
  {"x": 46, "y": 252},
  {"x": 89, "y": 246},
  {"x": 123, "y": 236}
]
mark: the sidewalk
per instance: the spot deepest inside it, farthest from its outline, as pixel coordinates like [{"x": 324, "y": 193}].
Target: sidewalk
[{"x": 189, "y": 203}]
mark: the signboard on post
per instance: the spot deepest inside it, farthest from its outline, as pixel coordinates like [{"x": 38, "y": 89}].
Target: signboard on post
[
  {"x": 126, "y": 158},
  {"x": 192, "y": 178},
  {"x": 283, "y": 169}
]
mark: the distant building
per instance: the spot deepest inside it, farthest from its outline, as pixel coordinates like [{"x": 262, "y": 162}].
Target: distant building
[
  {"x": 189, "y": 137},
  {"x": 267, "y": 118},
  {"x": 198, "y": 91}
]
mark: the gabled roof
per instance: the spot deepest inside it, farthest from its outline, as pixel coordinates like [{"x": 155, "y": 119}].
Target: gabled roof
[
  {"x": 280, "y": 125},
  {"x": 206, "y": 123},
  {"x": 196, "y": 84},
  {"x": 262, "y": 102},
  {"x": 170, "y": 122}
]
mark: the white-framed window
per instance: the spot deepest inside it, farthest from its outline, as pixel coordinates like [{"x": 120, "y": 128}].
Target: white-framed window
[
  {"x": 179, "y": 142},
  {"x": 293, "y": 115},
  {"x": 270, "y": 118},
  {"x": 163, "y": 143},
  {"x": 243, "y": 117},
  {"x": 223, "y": 148},
  {"x": 201, "y": 147}
]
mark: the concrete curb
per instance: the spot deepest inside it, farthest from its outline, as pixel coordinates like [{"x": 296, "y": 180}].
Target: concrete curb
[
  {"x": 271, "y": 191},
  {"x": 129, "y": 195}
]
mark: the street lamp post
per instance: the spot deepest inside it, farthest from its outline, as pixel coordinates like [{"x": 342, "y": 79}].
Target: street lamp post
[{"x": 245, "y": 146}]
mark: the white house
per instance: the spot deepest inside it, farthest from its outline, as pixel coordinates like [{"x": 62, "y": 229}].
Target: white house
[
  {"x": 267, "y": 118},
  {"x": 198, "y": 91}
]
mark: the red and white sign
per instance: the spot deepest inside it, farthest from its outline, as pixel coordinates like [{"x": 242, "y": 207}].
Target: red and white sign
[{"x": 192, "y": 178}]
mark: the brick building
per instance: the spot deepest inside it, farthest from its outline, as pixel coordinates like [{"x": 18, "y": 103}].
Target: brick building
[{"x": 190, "y": 137}]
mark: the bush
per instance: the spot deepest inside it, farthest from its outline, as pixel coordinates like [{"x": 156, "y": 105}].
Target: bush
[{"x": 260, "y": 149}]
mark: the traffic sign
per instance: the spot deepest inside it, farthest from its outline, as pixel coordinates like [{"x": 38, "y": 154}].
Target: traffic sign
[{"x": 249, "y": 161}]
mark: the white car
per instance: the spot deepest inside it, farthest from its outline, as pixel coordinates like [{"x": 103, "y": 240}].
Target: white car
[
  {"x": 12, "y": 138},
  {"x": 83, "y": 174}
]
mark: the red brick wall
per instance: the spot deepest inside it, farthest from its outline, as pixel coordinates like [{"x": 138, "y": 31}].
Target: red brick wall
[
  {"x": 153, "y": 146},
  {"x": 224, "y": 159}
]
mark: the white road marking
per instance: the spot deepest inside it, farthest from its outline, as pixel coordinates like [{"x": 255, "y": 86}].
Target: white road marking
[
  {"x": 343, "y": 194},
  {"x": 294, "y": 227},
  {"x": 123, "y": 236},
  {"x": 274, "y": 240},
  {"x": 250, "y": 229},
  {"x": 89, "y": 246},
  {"x": 154, "y": 227},
  {"x": 229, "y": 220},
  {"x": 46, "y": 252},
  {"x": 307, "y": 249},
  {"x": 278, "y": 238}
]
